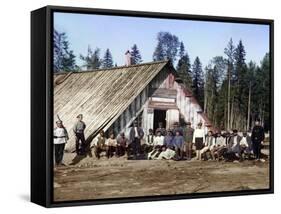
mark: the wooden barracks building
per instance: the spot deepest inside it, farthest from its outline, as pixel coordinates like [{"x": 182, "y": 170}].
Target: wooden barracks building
[{"x": 111, "y": 99}]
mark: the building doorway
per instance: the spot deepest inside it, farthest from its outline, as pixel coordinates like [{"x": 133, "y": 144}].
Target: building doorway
[{"x": 159, "y": 116}]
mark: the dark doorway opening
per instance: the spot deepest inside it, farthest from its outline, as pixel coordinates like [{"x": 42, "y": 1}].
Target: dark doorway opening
[{"x": 159, "y": 116}]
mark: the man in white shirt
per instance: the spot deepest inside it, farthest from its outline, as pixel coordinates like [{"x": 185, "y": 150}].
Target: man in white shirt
[
  {"x": 209, "y": 144},
  {"x": 157, "y": 146},
  {"x": 60, "y": 139},
  {"x": 220, "y": 147},
  {"x": 199, "y": 140}
]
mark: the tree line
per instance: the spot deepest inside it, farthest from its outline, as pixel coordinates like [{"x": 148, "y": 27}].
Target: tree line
[{"x": 231, "y": 92}]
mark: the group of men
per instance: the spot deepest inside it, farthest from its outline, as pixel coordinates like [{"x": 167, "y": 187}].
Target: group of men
[
  {"x": 177, "y": 143},
  {"x": 61, "y": 137}
]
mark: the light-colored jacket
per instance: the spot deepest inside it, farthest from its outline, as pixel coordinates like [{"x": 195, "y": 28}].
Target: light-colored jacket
[{"x": 60, "y": 135}]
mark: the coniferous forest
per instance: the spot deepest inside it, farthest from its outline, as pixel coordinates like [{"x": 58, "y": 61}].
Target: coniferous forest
[{"x": 232, "y": 92}]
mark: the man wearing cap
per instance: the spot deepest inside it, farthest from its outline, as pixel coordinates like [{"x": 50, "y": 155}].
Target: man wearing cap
[
  {"x": 257, "y": 138},
  {"x": 136, "y": 134},
  {"x": 176, "y": 127},
  {"x": 60, "y": 139},
  {"x": 78, "y": 130},
  {"x": 188, "y": 136}
]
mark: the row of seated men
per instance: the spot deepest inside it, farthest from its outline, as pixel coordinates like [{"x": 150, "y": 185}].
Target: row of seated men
[{"x": 172, "y": 145}]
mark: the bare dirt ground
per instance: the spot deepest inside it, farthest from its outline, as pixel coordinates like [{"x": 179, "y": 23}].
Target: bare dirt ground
[{"x": 118, "y": 177}]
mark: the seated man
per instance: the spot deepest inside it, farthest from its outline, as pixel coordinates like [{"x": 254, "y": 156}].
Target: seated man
[
  {"x": 220, "y": 146},
  {"x": 209, "y": 145},
  {"x": 99, "y": 145},
  {"x": 233, "y": 147},
  {"x": 244, "y": 146},
  {"x": 157, "y": 146},
  {"x": 122, "y": 144},
  {"x": 168, "y": 139},
  {"x": 167, "y": 154},
  {"x": 111, "y": 145},
  {"x": 149, "y": 142},
  {"x": 178, "y": 143}
]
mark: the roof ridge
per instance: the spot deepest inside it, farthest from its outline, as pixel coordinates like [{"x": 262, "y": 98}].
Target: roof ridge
[{"x": 113, "y": 68}]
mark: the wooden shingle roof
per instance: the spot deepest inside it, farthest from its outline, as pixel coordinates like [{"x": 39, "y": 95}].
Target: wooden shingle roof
[{"x": 100, "y": 95}]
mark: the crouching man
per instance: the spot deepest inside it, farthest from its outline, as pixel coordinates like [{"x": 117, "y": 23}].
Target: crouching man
[
  {"x": 60, "y": 139},
  {"x": 148, "y": 145},
  {"x": 100, "y": 146},
  {"x": 122, "y": 144},
  {"x": 111, "y": 145}
]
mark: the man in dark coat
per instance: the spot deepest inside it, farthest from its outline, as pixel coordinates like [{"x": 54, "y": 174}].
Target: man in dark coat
[
  {"x": 257, "y": 138},
  {"x": 136, "y": 134},
  {"x": 233, "y": 147}
]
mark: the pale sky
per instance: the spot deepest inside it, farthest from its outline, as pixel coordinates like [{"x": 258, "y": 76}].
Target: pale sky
[{"x": 201, "y": 38}]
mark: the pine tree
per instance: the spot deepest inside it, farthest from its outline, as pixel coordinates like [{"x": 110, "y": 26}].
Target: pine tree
[
  {"x": 92, "y": 59},
  {"x": 182, "y": 50},
  {"x": 64, "y": 58},
  {"x": 198, "y": 81},
  {"x": 135, "y": 55},
  {"x": 229, "y": 52},
  {"x": 184, "y": 67},
  {"x": 107, "y": 61},
  {"x": 167, "y": 47}
]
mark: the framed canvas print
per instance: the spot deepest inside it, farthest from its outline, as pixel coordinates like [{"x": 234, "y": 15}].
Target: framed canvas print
[{"x": 134, "y": 106}]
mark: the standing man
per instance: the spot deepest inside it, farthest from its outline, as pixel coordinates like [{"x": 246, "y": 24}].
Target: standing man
[
  {"x": 136, "y": 134},
  {"x": 176, "y": 127},
  {"x": 78, "y": 130},
  {"x": 161, "y": 129},
  {"x": 188, "y": 136},
  {"x": 60, "y": 139},
  {"x": 198, "y": 140},
  {"x": 178, "y": 143},
  {"x": 257, "y": 139}
]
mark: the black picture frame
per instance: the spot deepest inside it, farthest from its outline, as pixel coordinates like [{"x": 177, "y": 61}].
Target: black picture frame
[{"x": 42, "y": 104}]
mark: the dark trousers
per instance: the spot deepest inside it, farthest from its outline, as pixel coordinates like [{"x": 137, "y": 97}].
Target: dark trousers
[
  {"x": 110, "y": 151},
  {"x": 136, "y": 146},
  {"x": 120, "y": 150},
  {"x": 257, "y": 149},
  {"x": 80, "y": 143},
  {"x": 97, "y": 151},
  {"x": 59, "y": 149}
]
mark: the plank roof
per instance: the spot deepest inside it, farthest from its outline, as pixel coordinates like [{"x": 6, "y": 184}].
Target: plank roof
[{"x": 100, "y": 95}]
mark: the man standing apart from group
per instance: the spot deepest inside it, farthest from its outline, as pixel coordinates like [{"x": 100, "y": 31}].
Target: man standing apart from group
[
  {"x": 257, "y": 139},
  {"x": 78, "y": 130},
  {"x": 60, "y": 139},
  {"x": 188, "y": 136}
]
